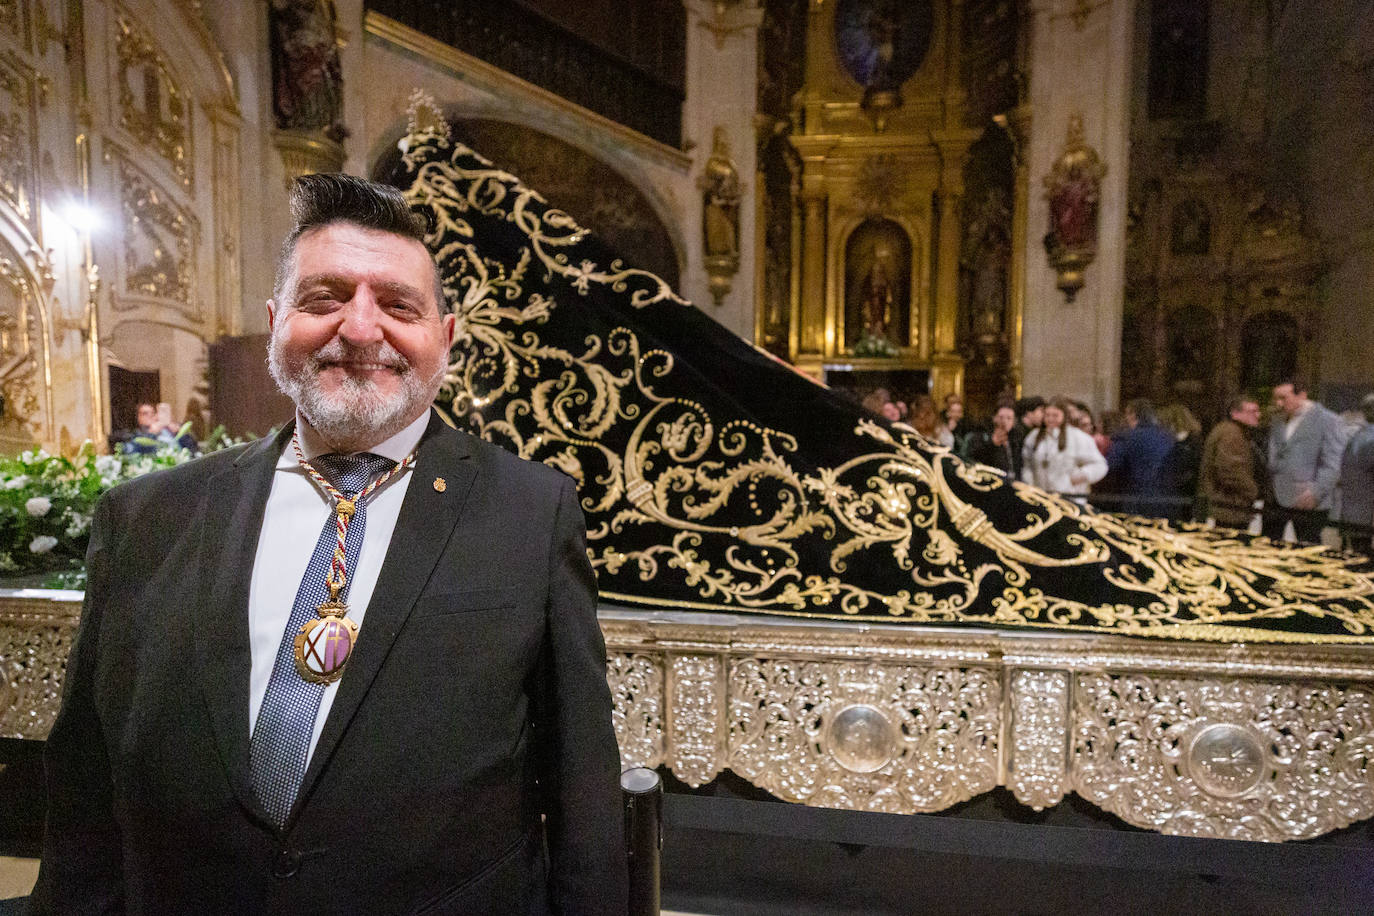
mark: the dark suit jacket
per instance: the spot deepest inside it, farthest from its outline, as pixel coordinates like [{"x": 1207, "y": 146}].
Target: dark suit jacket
[
  {"x": 470, "y": 734},
  {"x": 1357, "y": 478}
]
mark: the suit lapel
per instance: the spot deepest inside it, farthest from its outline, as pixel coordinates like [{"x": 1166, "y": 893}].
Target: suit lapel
[
  {"x": 428, "y": 517},
  {"x": 229, "y": 541}
]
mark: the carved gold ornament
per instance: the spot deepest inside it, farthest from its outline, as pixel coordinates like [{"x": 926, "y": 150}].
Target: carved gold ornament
[
  {"x": 160, "y": 240},
  {"x": 152, "y": 106}
]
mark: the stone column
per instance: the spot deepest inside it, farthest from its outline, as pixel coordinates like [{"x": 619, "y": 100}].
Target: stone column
[
  {"x": 722, "y": 81},
  {"x": 1080, "y": 62}
]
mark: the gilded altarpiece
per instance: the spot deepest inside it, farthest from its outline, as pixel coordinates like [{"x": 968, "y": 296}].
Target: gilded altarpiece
[{"x": 882, "y": 137}]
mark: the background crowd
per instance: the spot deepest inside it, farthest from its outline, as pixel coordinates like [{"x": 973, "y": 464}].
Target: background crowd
[{"x": 1295, "y": 464}]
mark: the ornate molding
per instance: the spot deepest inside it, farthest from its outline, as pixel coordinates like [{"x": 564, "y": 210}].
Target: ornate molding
[
  {"x": 153, "y": 107},
  {"x": 160, "y": 239},
  {"x": 19, "y": 92}
]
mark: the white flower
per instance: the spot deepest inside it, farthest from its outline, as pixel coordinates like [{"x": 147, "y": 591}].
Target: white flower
[
  {"x": 108, "y": 465},
  {"x": 38, "y": 506},
  {"x": 42, "y": 544},
  {"x": 80, "y": 523},
  {"x": 17, "y": 483}
]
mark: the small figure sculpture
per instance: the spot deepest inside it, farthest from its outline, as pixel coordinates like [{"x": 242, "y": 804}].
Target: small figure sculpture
[
  {"x": 1073, "y": 188},
  {"x": 875, "y": 303},
  {"x": 720, "y": 201}
]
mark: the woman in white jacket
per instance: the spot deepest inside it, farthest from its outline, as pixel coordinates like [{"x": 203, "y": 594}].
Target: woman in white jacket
[{"x": 1062, "y": 458}]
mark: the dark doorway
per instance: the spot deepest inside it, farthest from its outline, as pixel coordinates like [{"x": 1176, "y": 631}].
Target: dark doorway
[{"x": 128, "y": 389}]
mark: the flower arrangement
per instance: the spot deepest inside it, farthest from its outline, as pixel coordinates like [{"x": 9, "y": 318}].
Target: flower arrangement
[{"x": 46, "y": 504}]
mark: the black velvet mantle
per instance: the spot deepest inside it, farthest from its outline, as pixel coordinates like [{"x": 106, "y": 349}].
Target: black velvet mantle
[{"x": 714, "y": 477}]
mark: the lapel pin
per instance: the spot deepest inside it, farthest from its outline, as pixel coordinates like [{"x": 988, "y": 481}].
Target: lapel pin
[{"x": 439, "y": 485}]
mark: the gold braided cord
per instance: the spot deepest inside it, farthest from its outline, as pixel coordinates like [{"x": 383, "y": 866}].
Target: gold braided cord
[{"x": 720, "y": 505}]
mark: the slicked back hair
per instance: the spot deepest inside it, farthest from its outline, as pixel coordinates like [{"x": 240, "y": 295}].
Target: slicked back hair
[{"x": 332, "y": 197}]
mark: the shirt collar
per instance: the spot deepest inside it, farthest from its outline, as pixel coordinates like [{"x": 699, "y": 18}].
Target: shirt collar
[{"x": 395, "y": 448}]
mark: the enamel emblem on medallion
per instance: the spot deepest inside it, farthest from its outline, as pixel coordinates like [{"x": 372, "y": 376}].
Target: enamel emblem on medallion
[{"x": 324, "y": 644}]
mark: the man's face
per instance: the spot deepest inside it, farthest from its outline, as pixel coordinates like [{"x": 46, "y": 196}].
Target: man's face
[
  {"x": 1247, "y": 414},
  {"x": 1004, "y": 419},
  {"x": 147, "y": 413},
  {"x": 359, "y": 344},
  {"x": 1034, "y": 417},
  {"x": 955, "y": 411},
  {"x": 1287, "y": 400}
]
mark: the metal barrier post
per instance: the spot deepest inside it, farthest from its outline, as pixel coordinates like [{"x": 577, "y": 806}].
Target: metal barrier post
[{"x": 642, "y": 792}]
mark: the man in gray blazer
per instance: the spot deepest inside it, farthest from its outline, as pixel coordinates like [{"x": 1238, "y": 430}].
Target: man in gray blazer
[
  {"x": 1357, "y": 483},
  {"x": 354, "y": 668},
  {"x": 1305, "y": 444}
]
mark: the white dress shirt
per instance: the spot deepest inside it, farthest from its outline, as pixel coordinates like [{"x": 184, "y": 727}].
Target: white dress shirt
[
  {"x": 296, "y": 512},
  {"x": 1293, "y": 421}
]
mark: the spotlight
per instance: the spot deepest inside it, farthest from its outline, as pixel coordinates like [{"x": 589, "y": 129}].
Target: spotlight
[{"x": 81, "y": 216}]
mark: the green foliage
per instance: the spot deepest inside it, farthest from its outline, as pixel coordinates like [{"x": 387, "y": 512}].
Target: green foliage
[{"x": 46, "y": 503}]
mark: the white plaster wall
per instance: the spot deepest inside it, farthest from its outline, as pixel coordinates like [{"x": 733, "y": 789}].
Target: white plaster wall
[
  {"x": 1074, "y": 348},
  {"x": 240, "y": 30},
  {"x": 722, "y": 80}
]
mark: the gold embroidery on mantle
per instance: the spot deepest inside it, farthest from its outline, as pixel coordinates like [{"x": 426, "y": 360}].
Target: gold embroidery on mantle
[{"x": 735, "y": 500}]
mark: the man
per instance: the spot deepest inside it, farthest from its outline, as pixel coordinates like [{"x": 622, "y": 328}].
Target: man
[
  {"x": 1137, "y": 459},
  {"x": 1357, "y": 483},
  {"x": 995, "y": 449},
  {"x": 1227, "y": 479},
  {"x": 1305, "y": 445},
  {"x": 225, "y": 746}
]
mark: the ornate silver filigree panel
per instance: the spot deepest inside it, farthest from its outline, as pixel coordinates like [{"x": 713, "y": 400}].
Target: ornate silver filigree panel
[
  {"x": 1224, "y": 758},
  {"x": 696, "y": 703},
  {"x": 872, "y": 737},
  {"x": 33, "y": 659},
  {"x": 636, "y": 682},
  {"x": 1039, "y": 769}
]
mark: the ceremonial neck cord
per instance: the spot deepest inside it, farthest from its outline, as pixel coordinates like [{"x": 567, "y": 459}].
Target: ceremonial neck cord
[{"x": 338, "y": 631}]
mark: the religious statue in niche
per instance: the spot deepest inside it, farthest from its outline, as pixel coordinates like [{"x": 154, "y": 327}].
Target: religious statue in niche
[
  {"x": 985, "y": 262},
  {"x": 307, "y": 83},
  {"x": 877, "y": 288},
  {"x": 720, "y": 201},
  {"x": 1073, "y": 188},
  {"x": 881, "y": 43}
]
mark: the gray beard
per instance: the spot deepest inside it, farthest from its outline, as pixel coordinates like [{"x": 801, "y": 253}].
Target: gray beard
[{"x": 357, "y": 416}]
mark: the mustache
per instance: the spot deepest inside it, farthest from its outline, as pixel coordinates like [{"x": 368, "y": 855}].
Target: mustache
[{"x": 339, "y": 351}]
